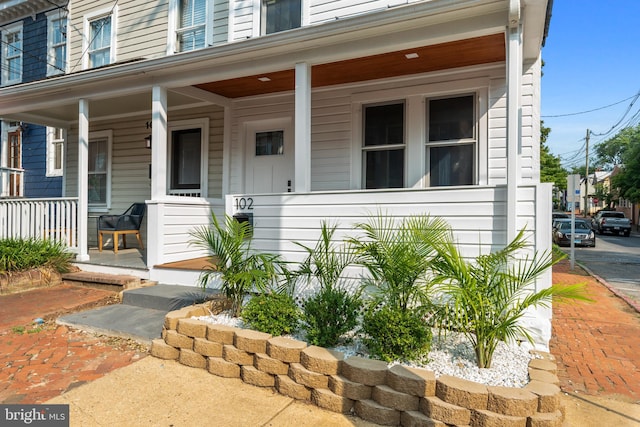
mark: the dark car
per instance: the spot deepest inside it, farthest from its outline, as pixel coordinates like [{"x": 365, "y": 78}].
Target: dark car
[
  {"x": 583, "y": 234},
  {"x": 558, "y": 214}
]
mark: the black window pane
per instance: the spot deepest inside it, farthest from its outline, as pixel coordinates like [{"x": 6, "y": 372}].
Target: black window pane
[
  {"x": 451, "y": 118},
  {"x": 384, "y": 125},
  {"x": 282, "y": 15},
  {"x": 270, "y": 143},
  {"x": 384, "y": 169},
  {"x": 185, "y": 170},
  {"x": 451, "y": 165}
]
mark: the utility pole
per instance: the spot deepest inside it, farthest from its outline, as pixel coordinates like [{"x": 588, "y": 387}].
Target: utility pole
[{"x": 586, "y": 179}]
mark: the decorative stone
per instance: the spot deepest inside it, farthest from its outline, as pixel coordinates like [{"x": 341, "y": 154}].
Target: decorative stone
[
  {"x": 253, "y": 376},
  {"x": 544, "y": 376},
  {"x": 162, "y": 350},
  {"x": 207, "y": 348},
  {"x": 269, "y": 365},
  {"x": 372, "y": 411},
  {"x": 418, "y": 419},
  {"x": 548, "y": 395},
  {"x": 457, "y": 391},
  {"x": 192, "y": 328},
  {"x": 234, "y": 355},
  {"x": 303, "y": 376},
  {"x": 436, "y": 408},
  {"x": 544, "y": 365},
  {"x": 414, "y": 381},
  {"x": 364, "y": 371},
  {"x": 483, "y": 418},
  {"x": 290, "y": 388},
  {"x": 326, "y": 399},
  {"x": 171, "y": 318},
  {"x": 321, "y": 360},
  {"x": 547, "y": 419},
  {"x": 191, "y": 358},
  {"x": 343, "y": 387},
  {"x": 285, "y": 349},
  {"x": 174, "y": 339},
  {"x": 542, "y": 355},
  {"x": 386, "y": 396},
  {"x": 222, "y": 368},
  {"x": 251, "y": 341},
  {"x": 221, "y": 333},
  {"x": 512, "y": 401}
]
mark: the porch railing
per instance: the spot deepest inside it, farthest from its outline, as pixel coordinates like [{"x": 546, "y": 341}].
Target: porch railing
[
  {"x": 55, "y": 219},
  {"x": 11, "y": 182}
]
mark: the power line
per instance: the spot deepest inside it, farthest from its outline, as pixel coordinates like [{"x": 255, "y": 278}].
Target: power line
[
  {"x": 591, "y": 111},
  {"x": 635, "y": 98}
]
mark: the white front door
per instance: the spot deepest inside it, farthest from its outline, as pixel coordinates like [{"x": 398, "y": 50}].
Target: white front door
[{"x": 269, "y": 156}]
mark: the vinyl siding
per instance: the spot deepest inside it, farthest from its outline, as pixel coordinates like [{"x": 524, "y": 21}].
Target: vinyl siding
[{"x": 34, "y": 162}]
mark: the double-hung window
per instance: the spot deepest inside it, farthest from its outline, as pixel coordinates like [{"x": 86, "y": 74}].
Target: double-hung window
[
  {"x": 12, "y": 54},
  {"x": 451, "y": 141},
  {"x": 383, "y": 151},
  {"x": 188, "y": 158},
  {"x": 191, "y": 28},
  {"x": 55, "y": 151},
  {"x": 99, "y": 169},
  {"x": 281, "y": 15},
  {"x": 100, "y": 38},
  {"x": 56, "y": 43}
]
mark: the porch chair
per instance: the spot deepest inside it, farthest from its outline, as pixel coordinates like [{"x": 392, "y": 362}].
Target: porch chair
[{"x": 127, "y": 223}]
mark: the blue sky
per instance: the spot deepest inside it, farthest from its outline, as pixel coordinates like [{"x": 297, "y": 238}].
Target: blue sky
[{"x": 592, "y": 60}]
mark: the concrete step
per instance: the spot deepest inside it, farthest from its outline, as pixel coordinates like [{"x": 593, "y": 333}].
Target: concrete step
[
  {"x": 111, "y": 282},
  {"x": 166, "y": 297}
]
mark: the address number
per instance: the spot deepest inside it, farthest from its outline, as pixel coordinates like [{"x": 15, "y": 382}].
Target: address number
[{"x": 244, "y": 203}]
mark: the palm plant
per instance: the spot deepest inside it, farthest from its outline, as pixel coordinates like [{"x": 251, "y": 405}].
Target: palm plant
[
  {"x": 486, "y": 299},
  {"x": 398, "y": 257},
  {"x": 239, "y": 267}
]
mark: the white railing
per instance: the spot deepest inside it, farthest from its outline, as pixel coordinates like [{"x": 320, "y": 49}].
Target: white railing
[
  {"x": 55, "y": 219},
  {"x": 11, "y": 182}
]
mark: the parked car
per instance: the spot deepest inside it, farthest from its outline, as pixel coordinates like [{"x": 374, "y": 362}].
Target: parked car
[
  {"x": 557, "y": 221},
  {"x": 583, "y": 234},
  {"x": 558, "y": 214},
  {"x": 611, "y": 221}
]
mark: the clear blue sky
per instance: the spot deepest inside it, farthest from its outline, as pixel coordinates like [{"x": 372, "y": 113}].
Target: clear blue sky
[{"x": 592, "y": 60}]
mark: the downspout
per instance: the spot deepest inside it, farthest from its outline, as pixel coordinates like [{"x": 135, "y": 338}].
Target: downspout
[{"x": 514, "y": 81}]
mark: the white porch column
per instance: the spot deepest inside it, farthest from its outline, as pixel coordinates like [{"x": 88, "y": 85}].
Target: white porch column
[
  {"x": 155, "y": 217},
  {"x": 514, "y": 81},
  {"x": 83, "y": 179},
  {"x": 302, "y": 183}
]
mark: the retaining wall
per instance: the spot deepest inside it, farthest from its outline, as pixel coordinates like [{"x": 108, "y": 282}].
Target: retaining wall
[
  {"x": 368, "y": 388},
  {"x": 26, "y": 280}
]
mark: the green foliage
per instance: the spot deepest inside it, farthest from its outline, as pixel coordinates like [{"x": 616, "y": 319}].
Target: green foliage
[
  {"x": 485, "y": 299},
  {"x": 398, "y": 257},
  {"x": 329, "y": 314},
  {"x": 551, "y": 169},
  {"x": 24, "y": 254},
  {"x": 391, "y": 333},
  {"x": 613, "y": 151},
  {"x": 273, "y": 313},
  {"x": 240, "y": 268}
]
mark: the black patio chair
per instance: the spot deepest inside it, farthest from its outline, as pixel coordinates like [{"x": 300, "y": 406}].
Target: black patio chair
[{"x": 127, "y": 223}]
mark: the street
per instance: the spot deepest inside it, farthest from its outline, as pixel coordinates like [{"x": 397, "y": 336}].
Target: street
[{"x": 616, "y": 259}]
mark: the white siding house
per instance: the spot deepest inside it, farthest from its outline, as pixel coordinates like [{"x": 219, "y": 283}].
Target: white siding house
[{"x": 298, "y": 112}]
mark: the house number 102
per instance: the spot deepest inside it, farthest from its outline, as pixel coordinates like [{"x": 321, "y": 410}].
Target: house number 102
[{"x": 244, "y": 203}]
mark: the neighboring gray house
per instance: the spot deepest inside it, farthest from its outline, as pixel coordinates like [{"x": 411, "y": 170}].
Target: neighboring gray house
[{"x": 297, "y": 111}]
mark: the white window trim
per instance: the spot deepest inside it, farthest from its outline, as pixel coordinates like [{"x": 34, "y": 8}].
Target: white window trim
[
  {"x": 415, "y": 117},
  {"x": 17, "y": 27},
  {"x": 174, "y": 9},
  {"x": 86, "y": 33},
  {"x": 51, "y": 152},
  {"x": 51, "y": 16},
  {"x": 108, "y": 135},
  {"x": 203, "y": 125},
  {"x": 259, "y": 23}
]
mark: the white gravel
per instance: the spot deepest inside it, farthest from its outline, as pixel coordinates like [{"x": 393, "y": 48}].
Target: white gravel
[{"x": 452, "y": 355}]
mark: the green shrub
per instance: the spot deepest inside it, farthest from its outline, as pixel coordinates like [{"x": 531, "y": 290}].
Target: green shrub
[
  {"x": 275, "y": 314},
  {"x": 395, "y": 334},
  {"x": 329, "y": 314},
  {"x": 24, "y": 254}
]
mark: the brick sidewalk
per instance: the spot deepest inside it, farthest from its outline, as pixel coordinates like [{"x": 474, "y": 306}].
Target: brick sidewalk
[
  {"x": 38, "y": 363},
  {"x": 597, "y": 345}
]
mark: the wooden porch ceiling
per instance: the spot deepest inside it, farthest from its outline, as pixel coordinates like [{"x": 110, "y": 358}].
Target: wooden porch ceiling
[{"x": 462, "y": 53}]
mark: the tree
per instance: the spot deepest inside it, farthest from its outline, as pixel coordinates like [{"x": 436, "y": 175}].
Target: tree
[
  {"x": 627, "y": 182},
  {"x": 551, "y": 169},
  {"x": 612, "y": 151}
]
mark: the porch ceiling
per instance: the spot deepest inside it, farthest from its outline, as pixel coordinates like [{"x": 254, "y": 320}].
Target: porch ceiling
[{"x": 461, "y": 53}]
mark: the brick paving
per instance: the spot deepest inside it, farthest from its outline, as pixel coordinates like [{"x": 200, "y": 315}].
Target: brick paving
[
  {"x": 39, "y": 362},
  {"x": 597, "y": 345}
]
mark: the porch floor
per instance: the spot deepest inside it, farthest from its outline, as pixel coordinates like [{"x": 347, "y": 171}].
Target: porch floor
[{"x": 127, "y": 258}]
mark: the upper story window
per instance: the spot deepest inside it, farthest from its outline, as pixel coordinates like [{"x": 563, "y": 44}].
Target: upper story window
[
  {"x": 56, "y": 43},
  {"x": 190, "y": 25},
  {"x": 451, "y": 141},
  {"x": 55, "y": 151},
  {"x": 12, "y": 54},
  {"x": 280, "y": 15},
  {"x": 383, "y": 153},
  {"x": 100, "y": 38}
]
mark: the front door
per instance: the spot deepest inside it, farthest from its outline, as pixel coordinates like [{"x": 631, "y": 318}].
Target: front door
[{"x": 269, "y": 156}]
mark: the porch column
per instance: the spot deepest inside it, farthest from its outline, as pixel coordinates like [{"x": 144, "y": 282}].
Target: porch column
[
  {"x": 302, "y": 183},
  {"x": 155, "y": 236},
  {"x": 514, "y": 80},
  {"x": 83, "y": 179}
]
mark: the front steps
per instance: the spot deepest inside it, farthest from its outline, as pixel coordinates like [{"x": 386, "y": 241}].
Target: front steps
[{"x": 109, "y": 282}]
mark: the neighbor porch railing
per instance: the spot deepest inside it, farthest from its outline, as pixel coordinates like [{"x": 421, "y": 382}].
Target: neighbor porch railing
[
  {"x": 11, "y": 182},
  {"x": 55, "y": 219}
]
